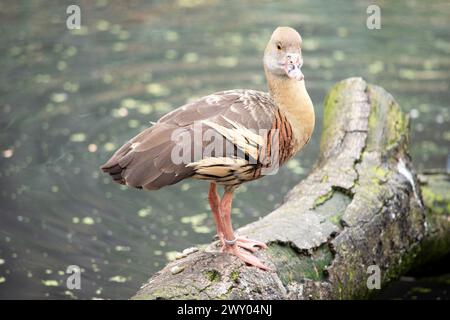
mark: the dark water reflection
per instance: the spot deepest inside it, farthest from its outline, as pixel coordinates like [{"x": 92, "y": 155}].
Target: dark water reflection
[{"x": 69, "y": 98}]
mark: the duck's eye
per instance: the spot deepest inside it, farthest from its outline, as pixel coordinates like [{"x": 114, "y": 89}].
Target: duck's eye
[{"x": 279, "y": 46}]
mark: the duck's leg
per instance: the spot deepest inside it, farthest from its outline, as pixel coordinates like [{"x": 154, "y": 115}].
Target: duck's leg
[
  {"x": 214, "y": 203},
  {"x": 230, "y": 241},
  {"x": 243, "y": 242}
]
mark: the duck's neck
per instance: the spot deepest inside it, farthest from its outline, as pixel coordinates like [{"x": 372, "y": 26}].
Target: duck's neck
[{"x": 292, "y": 98}]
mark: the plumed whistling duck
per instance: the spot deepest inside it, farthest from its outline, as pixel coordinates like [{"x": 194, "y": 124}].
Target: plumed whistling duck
[{"x": 259, "y": 131}]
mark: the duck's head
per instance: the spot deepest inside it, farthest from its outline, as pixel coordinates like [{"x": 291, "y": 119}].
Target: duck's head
[{"x": 283, "y": 54}]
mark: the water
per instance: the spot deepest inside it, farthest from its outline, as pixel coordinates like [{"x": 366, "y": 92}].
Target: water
[{"x": 70, "y": 98}]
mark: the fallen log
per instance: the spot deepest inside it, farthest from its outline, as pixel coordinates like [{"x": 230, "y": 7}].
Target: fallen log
[{"x": 361, "y": 209}]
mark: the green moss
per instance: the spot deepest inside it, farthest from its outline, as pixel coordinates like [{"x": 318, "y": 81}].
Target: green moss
[
  {"x": 378, "y": 175},
  {"x": 388, "y": 125},
  {"x": 333, "y": 205},
  {"x": 437, "y": 197},
  {"x": 330, "y": 112},
  {"x": 234, "y": 276},
  {"x": 397, "y": 125},
  {"x": 420, "y": 290},
  {"x": 294, "y": 266},
  {"x": 336, "y": 219},
  {"x": 212, "y": 275},
  {"x": 380, "y": 172},
  {"x": 373, "y": 117},
  {"x": 323, "y": 198}
]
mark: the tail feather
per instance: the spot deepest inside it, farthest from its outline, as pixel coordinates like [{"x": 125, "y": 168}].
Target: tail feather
[
  {"x": 145, "y": 162},
  {"x": 115, "y": 172}
]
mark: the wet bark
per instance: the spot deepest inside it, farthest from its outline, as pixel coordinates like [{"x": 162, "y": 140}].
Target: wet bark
[{"x": 362, "y": 205}]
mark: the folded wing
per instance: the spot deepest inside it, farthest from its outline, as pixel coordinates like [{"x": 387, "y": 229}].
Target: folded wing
[{"x": 146, "y": 161}]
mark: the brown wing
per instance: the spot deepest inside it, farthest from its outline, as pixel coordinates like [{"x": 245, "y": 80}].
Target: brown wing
[{"x": 145, "y": 161}]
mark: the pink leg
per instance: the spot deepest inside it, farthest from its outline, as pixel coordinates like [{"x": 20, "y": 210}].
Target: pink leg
[
  {"x": 231, "y": 244},
  {"x": 214, "y": 203}
]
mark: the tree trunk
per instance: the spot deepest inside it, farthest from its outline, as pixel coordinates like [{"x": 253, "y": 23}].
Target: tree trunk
[{"x": 360, "y": 206}]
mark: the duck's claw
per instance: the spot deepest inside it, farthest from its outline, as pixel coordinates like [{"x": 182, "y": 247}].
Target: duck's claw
[
  {"x": 245, "y": 256},
  {"x": 250, "y": 244}
]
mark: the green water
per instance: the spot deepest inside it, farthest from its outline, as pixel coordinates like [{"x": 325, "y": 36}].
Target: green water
[{"x": 68, "y": 99}]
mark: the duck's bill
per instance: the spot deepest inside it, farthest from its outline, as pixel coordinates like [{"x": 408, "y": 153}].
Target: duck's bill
[{"x": 294, "y": 71}]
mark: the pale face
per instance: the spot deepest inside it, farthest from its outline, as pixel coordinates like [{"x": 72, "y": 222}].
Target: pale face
[{"x": 283, "y": 54}]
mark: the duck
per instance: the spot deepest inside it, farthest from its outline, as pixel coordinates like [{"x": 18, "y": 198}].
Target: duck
[{"x": 227, "y": 138}]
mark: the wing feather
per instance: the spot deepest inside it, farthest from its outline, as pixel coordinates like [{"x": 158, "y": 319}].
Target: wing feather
[{"x": 145, "y": 161}]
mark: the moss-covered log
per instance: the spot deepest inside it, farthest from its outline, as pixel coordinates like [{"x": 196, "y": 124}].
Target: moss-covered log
[{"x": 361, "y": 205}]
